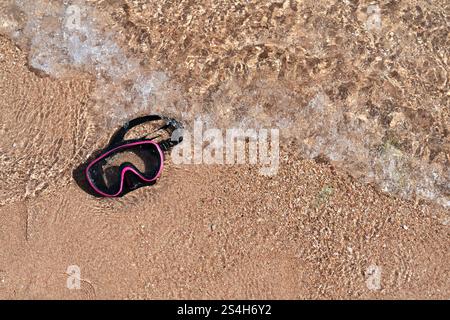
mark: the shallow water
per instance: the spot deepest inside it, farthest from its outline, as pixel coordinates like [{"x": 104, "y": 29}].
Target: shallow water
[{"x": 361, "y": 87}]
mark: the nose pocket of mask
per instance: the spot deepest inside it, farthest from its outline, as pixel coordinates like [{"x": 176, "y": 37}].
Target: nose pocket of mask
[{"x": 131, "y": 180}]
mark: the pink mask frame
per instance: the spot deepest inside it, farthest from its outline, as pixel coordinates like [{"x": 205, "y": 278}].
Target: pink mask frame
[
  {"x": 125, "y": 169},
  {"x": 117, "y": 144}
]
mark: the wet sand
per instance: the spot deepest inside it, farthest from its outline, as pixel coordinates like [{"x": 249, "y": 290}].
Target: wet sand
[{"x": 314, "y": 230}]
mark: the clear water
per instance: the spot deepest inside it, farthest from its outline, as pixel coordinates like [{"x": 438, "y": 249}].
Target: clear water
[{"x": 125, "y": 87}]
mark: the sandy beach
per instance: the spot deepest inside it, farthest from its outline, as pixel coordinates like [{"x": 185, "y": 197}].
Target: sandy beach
[{"x": 359, "y": 205}]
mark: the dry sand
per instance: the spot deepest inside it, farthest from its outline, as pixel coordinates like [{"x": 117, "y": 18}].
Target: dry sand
[{"x": 318, "y": 229}]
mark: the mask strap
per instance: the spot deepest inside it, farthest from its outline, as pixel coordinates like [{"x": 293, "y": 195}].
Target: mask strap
[
  {"x": 174, "y": 139},
  {"x": 171, "y": 125}
]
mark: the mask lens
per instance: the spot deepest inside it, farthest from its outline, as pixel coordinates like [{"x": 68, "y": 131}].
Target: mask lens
[{"x": 106, "y": 173}]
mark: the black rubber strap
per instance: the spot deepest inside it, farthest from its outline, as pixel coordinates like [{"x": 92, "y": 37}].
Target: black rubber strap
[{"x": 171, "y": 125}]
